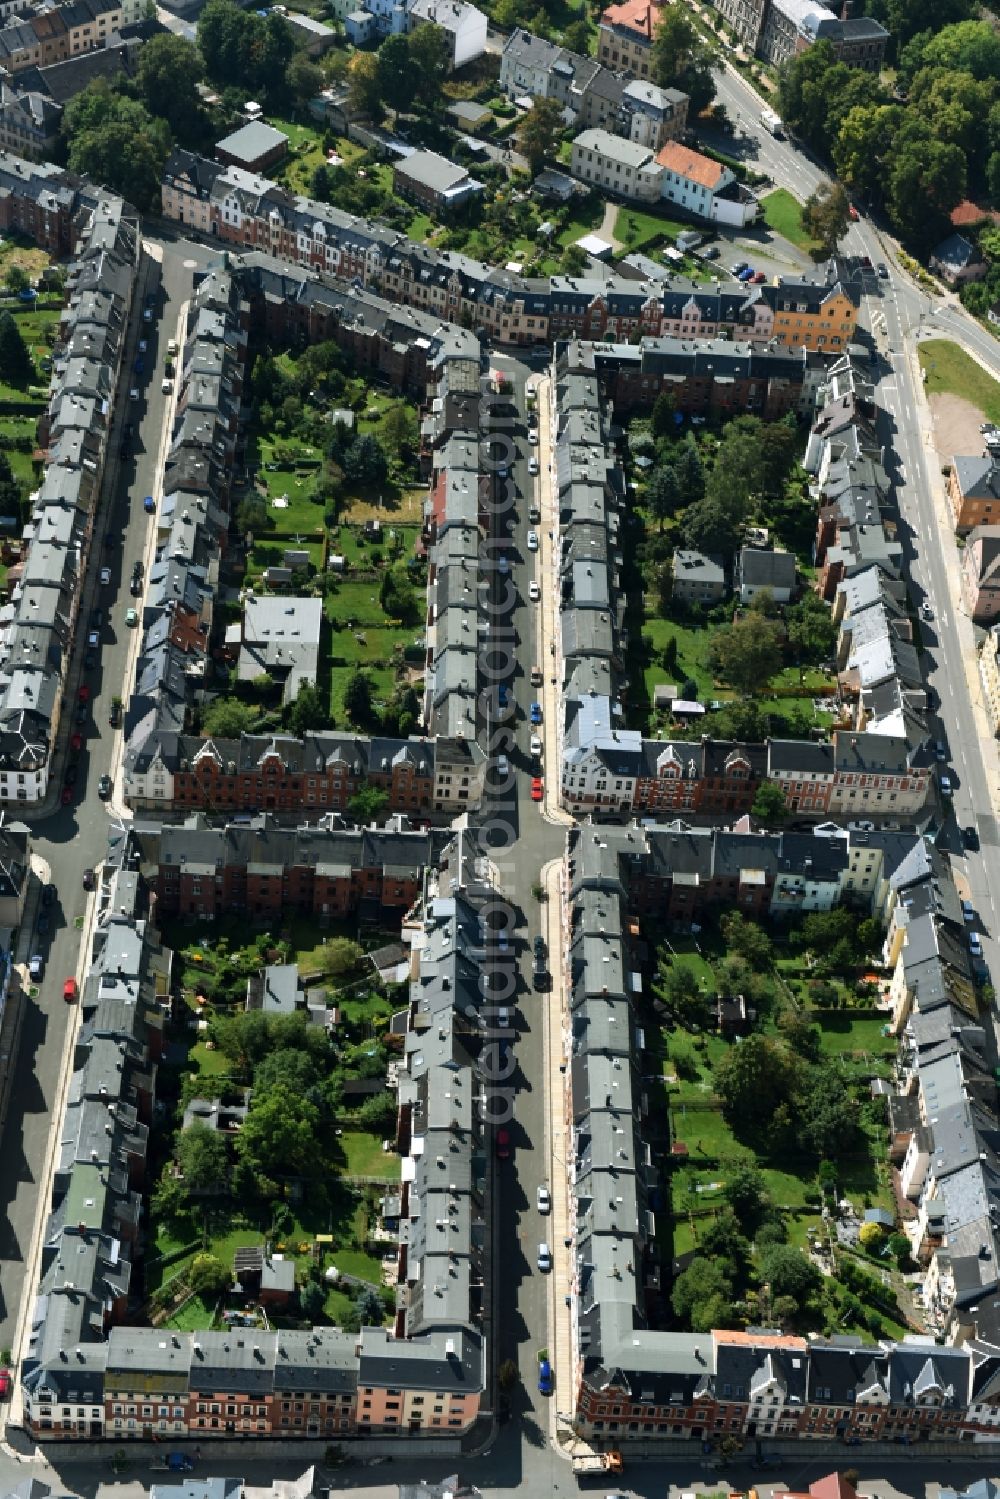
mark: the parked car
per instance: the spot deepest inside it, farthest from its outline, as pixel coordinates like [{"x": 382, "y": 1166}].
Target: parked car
[
  {"x": 945, "y": 785},
  {"x": 738, "y": 266},
  {"x": 72, "y": 771},
  {"x": 131, "y": 618},
  {"x": 36, "y": 967},
  {"x": 535, "y": 745},
  {"x": 535, "y": 713},
  {"x": 970, "y": 837},
  {"x": 711, "y": 253},
  {"x": 43, "y": 924},
  {"x": 115, "y": 713},
  {"x": 532, "y": 539},
  {"x": 88, "y": 879},
  {"x": 503, "y": 1145},
  {"x": 82, "y": 713},
  {"x": 66, "y": 796},
  {"x": 545, "y": 1377},
  {"x": 968, "y": 910},
  {"x": 70, "y": 991},
  {"x": 83, "y": 694},
  {"x": 747, "y": 274},
  {"x": 135, "y": 587},
  {"x": 533, "y": 435},
  {"x": 6, "y": 1384},
  {"x": 96, "y": 618},
  {"x": 48, "y": 895},
  {"x": 975, "y": 944},
  {"x": 543, "y": 1200},
  {"x": 543, "y": 1259},
  {"x": 105, "y": 576},
  {"x": 149, "y": 504},
  {"x": 104, "y": 787},
  {"x": 534, "y": 592},
  {"x": 532, "y": 465},
  {"x": 536, "y": 789}
]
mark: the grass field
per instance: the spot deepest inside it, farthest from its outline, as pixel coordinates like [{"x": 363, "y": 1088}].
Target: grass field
[
  {"x": 364, "y": 1156},
  {"x": 783, "y": 214},
  {"x": 193, "y": 1316},
  {"x": 636, "y": 230},
  {"x": 950, "y": 371}
]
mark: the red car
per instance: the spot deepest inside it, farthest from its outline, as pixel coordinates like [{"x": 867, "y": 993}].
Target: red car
[
  {"x": 503, "y": 1145},
  {"x": 536, "y": 789},
  {"x": 70, "y": 991},
  {"x": 758, "y": 278},
  {"x": 83, "y": 694},
  {"x": 67, "y": 795},
  {"x": 76, "y": 742},
  {"x": 853, "y": 213},
  {"x": 6, "y": 1384}
]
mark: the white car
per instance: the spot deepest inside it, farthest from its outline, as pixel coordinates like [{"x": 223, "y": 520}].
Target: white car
[
  {"x": 105, "y": 576},
  {"x": 532, "y": 465},
  {"x": 533, "y": 436},
  {"x": 543, "y": 1200},
  {"x": 142, "y": 346},
  {"x": 534, "y": 592},
  {"x": 133, "y": 394},
  {"x": 544, "y": 1260},
  {"x": 532, "y": 541},
  {"x": 946, "y": 785},
  {"x": 536, "y": 745}
]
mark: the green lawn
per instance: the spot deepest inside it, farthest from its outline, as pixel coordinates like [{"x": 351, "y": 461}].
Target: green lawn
[
  {"x": 783, "y": 214},
  {"x": 950, "y": 371},
  {"x": 845, "y": 1033},
  {"x": 580, "y": 224},
  {"x": 356, "y": 1262},
  {"x": 193, "y": 1316},
  {"x": 636, "y": 230},
  {"x": 364, "y": 1156}
]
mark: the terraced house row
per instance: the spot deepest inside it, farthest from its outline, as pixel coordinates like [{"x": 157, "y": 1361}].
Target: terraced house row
[
  {"x": 37, "y": 627},
  {"x": 166, "y": 769},
  {"x": 881, "y": 765},
  {"x": 631, "y": 1379},
  {"x": 89, "y": 1372},
  {"x": 253, "y": 213}
]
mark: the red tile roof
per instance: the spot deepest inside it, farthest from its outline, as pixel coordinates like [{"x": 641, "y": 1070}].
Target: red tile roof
[
  {"x": 639, "y": 16},
  {"x": 691, "y": 164}
]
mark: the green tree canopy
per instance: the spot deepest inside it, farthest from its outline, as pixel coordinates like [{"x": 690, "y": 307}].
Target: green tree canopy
[
  {"x": 169, "y": 71},
  {"x": 702, "y": 1295},
  {"x": 538, "y": 133},
  {"x": 769, "y": 803},
  {"x": 228, "y": 718},
  {"x": 745, "y": 1191},
  {"x": 826, "y": 215},
  {"x": 280, "y": 1134},
  {"x": 203, "y": 1158},
  {"x": 358, "y": 698},
  {"x": 208, "y": 1277},
  {"x": 747, "y": 653},
  {"x": 788, "y": 1272},
  {"x": 116, "y": 141},
  {"x": 398, "y": 76},
  {"x": 681, "y": 59}
]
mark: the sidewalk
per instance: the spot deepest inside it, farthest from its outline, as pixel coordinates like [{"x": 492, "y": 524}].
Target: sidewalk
[
  {"x": 549, "y": 633},
  {"x": 562, "y": 1282}
]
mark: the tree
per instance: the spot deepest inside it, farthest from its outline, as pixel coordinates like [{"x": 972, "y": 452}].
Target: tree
[
  {"x": 747, "y": 653},
  {"x": 871, "y": 1237},
  {"x": 747, "y": 939},
  {"x": 286, "y": 1067},
  {"x": 700, "y": 1292},
  {"x": 251, "y": 514},
  {"x": 690, "y": 472},
  {"x": 400, "y": 431},
  {"x": 663, "y": 493},
  {"x": 303, "y": 78},
  {"x": 208, "y": 1277},
  {"x": 365, "y": 461},
  {"x": 710, "y": 526},
  {"x": 966, "y": 47},
  {"x": 279, "y": 1135},
  {"x": 661, "y": 418},
  {"x": 368, "y": 803},
  {"x": 811, "y": 631},
  {"x": 17, "y": 279},
  {"x": 826, "y": 215},
  {"x": 308, "y": 711},
  {"x": 431, "y": 55},
  {"x": 228, "y": 718},
  {"x": 576, "y": 37},
  {"x": 863, "y": 145},
  {"x": 169, "y": 71},
  {"x": 397, "y": 75},
  {"x": 243, "y": 1038},
  {"x": 370, "y": 1308},
  {"x": 746, "y": 1193},
  {"x": 539, "y": 132},
  {"x": 905, "y": 18},
  {"x": 16, "y": 365},
  {"x": 507, "y": 1375},
  {"x": 753, "y": 1080},
  {"x": 397, "y": 597},
  {"x": 378, "y": 1114},
  {"x": 364, "y": 95},
  {"x": 827, "y": 1114},
  {"x": 788, "y": 1272},
  {"x": 682, "y": 60},
  {"x": 341, "y": 955},
  {"x": 358, "y": 697},
  {"x": 312, "y": 1301},
  {"x": 769, "y": 803},
  {"x": 203, "y": 1159},
  {"x": 245, "y": 48},
  {"x": 680, "y": 990},
  {"x": 927, "y": 177},
  {"x": 116, "y": 141}
]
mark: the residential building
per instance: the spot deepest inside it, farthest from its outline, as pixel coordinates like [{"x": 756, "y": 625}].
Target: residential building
[
  {"x": 434, "y": 182},
  {"x": 279, "y": 637},
  {"x": 703, "y": 186},
  {"x": 652, "y": 116},
  {"x": 29, "y": 123},
  {"x": 989, "y": 671},
  {"x": 757, "y": 570},
  {"x": 698, "y": 579},
  {"x": 464, "y": 25},
  {"x": 981, "y": 574},
  {"x": 611, "y": 164},
  {"x": 958, "y": 261},
  {"x": 625, "y": 36},
  {"x": 973, "y": 487},
  {"x": 254, "y": 147},
  {"x": 778, "y": 30}
]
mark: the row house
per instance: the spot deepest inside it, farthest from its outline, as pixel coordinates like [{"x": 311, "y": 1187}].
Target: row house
[
  {"x": 779, "y": 30},
  {"x": 55, "y": 33},
  {"x": 633, "y": 1381},
  {"x": 256, "y": 215},
  {"x": 37, "y": 631}
]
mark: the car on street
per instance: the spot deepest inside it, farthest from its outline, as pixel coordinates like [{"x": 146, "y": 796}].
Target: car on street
[
  {"x": 738, "y": 266},
  {"x": 48, "y": 895},
  {"x": 76, "y": 743},
  {"x": 66, "y": 795},
  {"x": 6, "y": 1384},
  {"x": 503, "y": 1145},
  {"x": 88, "y": 879},
  {"x": 532, "y": 540},
  {"x": 36, "y": 966},
  {"x": 534, "y": 592},
  {"x": 135, "y": 587},
  {"x": 710, "y": 253},
  {"x": 131, "y": 618},
  {"x": 109, "y": 541},
  {"x": 533, "y": 435},
  {"x": 970, "y": 837},
  {"x": 137, "y": 569},
  {"x": 105, "y": 576},
  {"x": 72, "y": 771},
  {"x": 544, "y": 1377},
  {"x": 975, "y": 944},
  {"x": 140, "y": 364},
  {"x": 149, "y": 504},
  {"x": 96, "y": 618},
  {"x": 940, "y": 753},
  {"x": 543, "y": 1200},
  {"x": 861, "y": 827},
  {"x": 536, "y": 745},
  {"x": 115, "y": 713},
  {"x": 853, "y": 214},
  {"x": 70, "y": 991},
  {"x": 143, "y": 346},
  {"x": 535, "y": 713},
  {"x": 945, "y": 784},
  {"x": 927, "y": 609},
  {"x": 543, "y": 1259},
  {"x": 536, "y": 789},
  {"x": 758, "y": 278},
  {"x": 82, "y": 713},
  {"x": 968, "y": 910},
  {"x": 503, "y": 694},
  {"x": 882, "y": 271},
  {"x": 83, "y": 694},
  {"x": 147, "y": 314},
  {"x": 89, "y": 660},
  {"x": 532, "y": 465},
  {"x": 747, "y": 274},
  {"x": 104, "y": 787},
  {"x": 133, "y": 394},
  {"x": 503, "y": 566}
]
